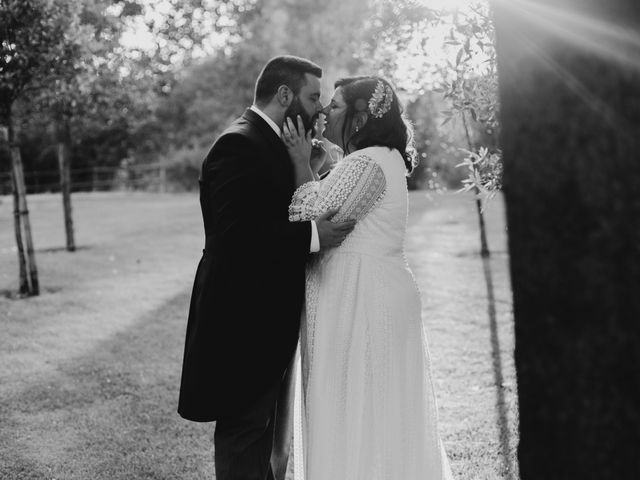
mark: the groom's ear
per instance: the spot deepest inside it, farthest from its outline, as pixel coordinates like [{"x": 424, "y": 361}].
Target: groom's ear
[{"x": 284, "y": 95}]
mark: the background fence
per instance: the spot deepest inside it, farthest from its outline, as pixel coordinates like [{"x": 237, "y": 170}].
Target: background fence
[{"x": 160, "y": 177}]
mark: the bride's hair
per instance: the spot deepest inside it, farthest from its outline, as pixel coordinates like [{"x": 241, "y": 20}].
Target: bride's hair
[{"x": 391, "y": 129}]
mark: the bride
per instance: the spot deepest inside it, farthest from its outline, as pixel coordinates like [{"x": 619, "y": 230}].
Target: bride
[{"x": 367, "y": 405}]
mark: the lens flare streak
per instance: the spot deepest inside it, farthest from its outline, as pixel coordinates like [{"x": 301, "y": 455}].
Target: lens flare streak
[{"x": 595, "y": 36}]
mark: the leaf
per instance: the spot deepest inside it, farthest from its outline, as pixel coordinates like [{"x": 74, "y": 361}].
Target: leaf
[
  {"x": 473, "y": 114},
  {"x": 459, "y": 56},
  {"x": 468, "y": 152}
]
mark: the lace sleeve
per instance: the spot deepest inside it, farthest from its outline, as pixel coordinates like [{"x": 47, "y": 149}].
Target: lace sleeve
[
  {"x": 303, "y": 202},
  {"x": 353, "y": 187}
]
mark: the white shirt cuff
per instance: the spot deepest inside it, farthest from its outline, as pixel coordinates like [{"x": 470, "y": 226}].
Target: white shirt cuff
[{"x": 315, "y": 239}]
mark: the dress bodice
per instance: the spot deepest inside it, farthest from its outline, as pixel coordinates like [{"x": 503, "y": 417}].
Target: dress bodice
[{"x": 382, "y": 230}]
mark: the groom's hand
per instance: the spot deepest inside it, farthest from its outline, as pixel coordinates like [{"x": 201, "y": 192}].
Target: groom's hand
[{"x": 332, "y": 234}]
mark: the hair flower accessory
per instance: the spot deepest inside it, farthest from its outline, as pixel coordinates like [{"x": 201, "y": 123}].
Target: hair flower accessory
[{"x": 380, "y": 101}]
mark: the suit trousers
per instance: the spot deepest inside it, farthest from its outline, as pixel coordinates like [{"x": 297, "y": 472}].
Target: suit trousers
[{"x": 255, "y": 443}]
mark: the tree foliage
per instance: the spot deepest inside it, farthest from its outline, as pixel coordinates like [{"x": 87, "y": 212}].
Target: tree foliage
[
  {"x": 167, "y": 95},
  {"x": 459, "y": 64},
  {"x": 472, "y": 88},
  {"x": 39, "y": 40}
]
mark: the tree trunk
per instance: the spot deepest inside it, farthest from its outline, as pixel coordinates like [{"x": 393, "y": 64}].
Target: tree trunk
[
  {"x": 570, "y": 103},
  {"x": 17, "y": 225},
  {"x": 23, "y": 229},
  {"x": 23, "y": 281},
  {"x": 484, "y": 245},
  {"x": 64, "y": 141},
  {"x": 163, "y": 175}
]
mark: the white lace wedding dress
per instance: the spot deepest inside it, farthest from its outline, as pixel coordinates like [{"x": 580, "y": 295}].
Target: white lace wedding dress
[{"x": 365, "y": 405}]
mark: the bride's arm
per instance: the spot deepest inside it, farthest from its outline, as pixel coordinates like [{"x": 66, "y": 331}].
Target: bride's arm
[{"x": 353, "y": 188}]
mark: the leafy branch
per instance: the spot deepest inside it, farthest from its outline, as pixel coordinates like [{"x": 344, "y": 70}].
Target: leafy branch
[
  {"x": 471, "y": 85},
  {"x": 485, "y": 171}
]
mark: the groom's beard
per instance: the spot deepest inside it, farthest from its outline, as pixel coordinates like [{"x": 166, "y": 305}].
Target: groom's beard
[{"x": 296, "y": 109}]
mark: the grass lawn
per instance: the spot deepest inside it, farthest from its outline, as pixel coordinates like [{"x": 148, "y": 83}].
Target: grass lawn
[{"x": 89, "y": 370}]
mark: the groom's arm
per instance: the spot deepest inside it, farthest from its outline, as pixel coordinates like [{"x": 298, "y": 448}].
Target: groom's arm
[{"x": 235, "y": 173}]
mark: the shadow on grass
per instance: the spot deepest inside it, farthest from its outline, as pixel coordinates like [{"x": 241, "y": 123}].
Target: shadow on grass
[
  {"x": 12, "y": 294},
  {"x": 62, "y": 249},
  {"x": 16, "y": 295},
  {"x": 501, "y": 406},
  {"x": 110, "y": 413}
]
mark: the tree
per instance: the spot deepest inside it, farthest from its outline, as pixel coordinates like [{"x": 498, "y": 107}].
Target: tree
[
  {"x": 570, "y": 91},
  {"x": 400, "y": 31},
  {"x": 189, "y": 36},
  {"x": 69, "y": 92},
  {"x": 34, "y": 43},
  {"x": 472, "y": 88},
  {"x": 323, "y": 33}
]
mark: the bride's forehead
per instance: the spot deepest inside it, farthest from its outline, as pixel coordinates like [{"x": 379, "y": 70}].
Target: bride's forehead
[{"x": 338, "y": 97}]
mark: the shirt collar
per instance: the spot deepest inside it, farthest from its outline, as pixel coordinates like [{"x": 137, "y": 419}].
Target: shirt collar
[{"x": 266, "y": 118}]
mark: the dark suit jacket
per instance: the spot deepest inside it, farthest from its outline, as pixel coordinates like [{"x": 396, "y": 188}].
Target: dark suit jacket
[{"x": 248, "y": 291}]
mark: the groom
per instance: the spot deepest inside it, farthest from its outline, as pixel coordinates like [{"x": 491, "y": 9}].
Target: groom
[{"x": 249, "y": 287}]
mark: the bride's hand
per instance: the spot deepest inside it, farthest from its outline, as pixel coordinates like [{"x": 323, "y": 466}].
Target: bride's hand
[{"x": 298, "y": 142}]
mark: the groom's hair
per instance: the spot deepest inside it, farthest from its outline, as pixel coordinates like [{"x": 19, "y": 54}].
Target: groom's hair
[{"x": 283, "y": 70}]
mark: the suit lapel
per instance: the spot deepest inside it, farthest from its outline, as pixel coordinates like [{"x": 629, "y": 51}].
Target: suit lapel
[
  {"x": 265, "y": 130},
  {"x": 278, "y": 157}
]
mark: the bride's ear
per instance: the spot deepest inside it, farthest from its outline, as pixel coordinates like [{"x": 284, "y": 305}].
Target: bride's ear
[
  {"x": 360, "y": 120},
  {"x": 284, "y": 95}
]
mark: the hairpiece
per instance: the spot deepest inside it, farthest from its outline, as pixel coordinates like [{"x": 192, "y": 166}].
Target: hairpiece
[{"x": 380, "y": 101}]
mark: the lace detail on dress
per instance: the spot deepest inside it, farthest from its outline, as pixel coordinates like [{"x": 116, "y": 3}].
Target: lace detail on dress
[
  {"x": 303, "y": 201},
  {"x": 308, "y": 324},
  {"x": 354, "y": 187}
]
